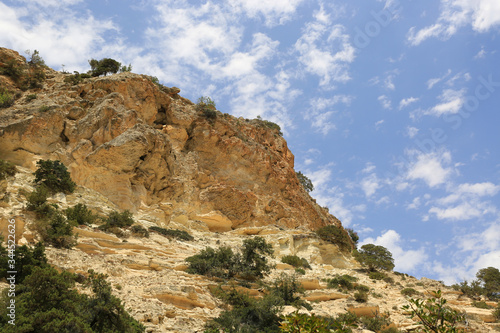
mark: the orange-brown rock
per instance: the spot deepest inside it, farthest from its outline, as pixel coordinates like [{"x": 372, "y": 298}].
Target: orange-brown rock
[{"x": 144, "y": 147}]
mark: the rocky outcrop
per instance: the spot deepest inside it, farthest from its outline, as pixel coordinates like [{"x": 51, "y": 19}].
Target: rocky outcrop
[{"x": 148, "y": 150}]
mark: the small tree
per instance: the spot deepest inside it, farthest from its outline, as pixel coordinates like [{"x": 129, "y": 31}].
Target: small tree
[
  {"x": 374, "y": 257},
  {"x": 55, "y": 176},
  {"x": 253, "y": 257},
  {"x": 335, "y": 235},
  {"x": 104, "y": 66},
  {"x": 434, "y": 315},
  {"x": 305, "y": 182},
  {"x": 80, "y": 215},
  {"x": 490, "y": 281},
  {"x": 354, "y": 235}
]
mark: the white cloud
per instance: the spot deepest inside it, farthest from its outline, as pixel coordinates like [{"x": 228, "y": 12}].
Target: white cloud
[
  {"x": 370, "y": 184},
  {"x": 432, "y": 82},
  {"x": 465, "y": 202},
  {"x": 481, "y": 54},
  {"x": 414, "y": 204},
  {"x": 482, "y": 15},
  {"x": 63, "y": 37},
  {"x": 407, "y": 101},
  {"x": 379, "y": 123},
  {"x": 411, "y": 132},
  {"x": 274, "y": 12},
  {"x": 324, "y": 50},
  {"x": 322, "y": 110},
  {"x": 430, "y": 167},
  {"x": 404, "y": 260},
  {"x": 451, "y": 101},
  {"x": 385, "y": 102}
]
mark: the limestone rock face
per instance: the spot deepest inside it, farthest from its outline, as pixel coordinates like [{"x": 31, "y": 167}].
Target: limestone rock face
[{"x": 149, "y": 150}]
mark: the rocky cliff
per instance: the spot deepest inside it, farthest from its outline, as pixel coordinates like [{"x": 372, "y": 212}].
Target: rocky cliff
[
  {"x": 132, "y": 144},
  {"x": 146, "y": 148}
]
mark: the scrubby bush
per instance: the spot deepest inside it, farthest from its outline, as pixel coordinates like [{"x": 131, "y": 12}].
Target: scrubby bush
[
  {"x": 300, "y": 271},
  {"x": 207, "y": 106},
  {"x": 118, "y": 220},
  {"x": 335, "y": 235},
  {"x": 496, "y": 312},
  {"x": 221, "y": 263},
  {"x": 374, "y": 257},
  {"x": 434, "y": 314},
  {"x": 342, "y": 282},
  {"x": 139, "y": 230},
  {"x": 301, "y": 323},
  {"x": 76, "y": 78},
  {"x": 269, "y": 124},
  {"x": 377, "y": 275},
  {"x": 80, "y": 215},
  {"x": 59, "y": 232},
  {"x": 361, "y": 296},
  {"x": 481, "y": 305},
  {"x": 13, "y": 69},
  {"x": 6, "y": 99},
  {"x": 174, "y": 233},
  {"x": 375, "y": 323},
  {"x": 37, "y": 202},
  {"x": 247, "y": 314},
  {"x": 55, "y": 176},
  {"x": 7, "y": 169},
  {"x": 288, "y": 289},
  {"x": 31, "y": 97},
  {"x": 305, "y": 182},
  {"x": 409, "y": 292},
  {"x": 486, "y": 284},
  {"x": 36, "y": 74},
  {"x": 296, "y": 261},
  {"x": 249, "y": 263}
]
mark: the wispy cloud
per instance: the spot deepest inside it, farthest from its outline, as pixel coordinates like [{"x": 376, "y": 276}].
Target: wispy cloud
[
  {"x": 322, "y": 110},
  {"x": 481, "y": 15},
  {"x": 451, "y": 101},
  {"x": 324, "y": 50},
  {"x": 385, "y": 102},
  {"x": 407, "y": 101}
]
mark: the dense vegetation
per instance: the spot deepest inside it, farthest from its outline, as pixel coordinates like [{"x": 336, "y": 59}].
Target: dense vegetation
[
  {"x": 47, "y": 301},
  {"x": 487, "y": 284}
]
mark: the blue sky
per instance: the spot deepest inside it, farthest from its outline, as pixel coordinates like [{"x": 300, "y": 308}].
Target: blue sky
[{"x": 389, "y": 106}]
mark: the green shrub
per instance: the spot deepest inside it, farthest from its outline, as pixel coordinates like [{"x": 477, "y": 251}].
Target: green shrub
[
  {"x": 362, "y": 287},
  {"x": 7, "y": 169},
  {"x": 80, "y": 215},
  {"x": 335, "y": 235},
  {"x": 375, "y": 323},
  {"x": 31, "y": 97},
  {"x": 37, "y": 202},
  {"x": 361, "y": 296},
  {"x": 250, "y": 263},
  {"x": 54, "y": 175},
  {"x": 305, "y": 182},
  {"x": 6, "y": 99},
  {"x": 221, "y": 263},
  {"x": 125, "y": 68},
  {"x": 434, "y": 314},
  {"x": 288, "y": 290},
  {"x": 269, "y": 124},
  {"x": 12, "y": 69},
  {"x": 59, "y": 232},
  {"x": 44, "y": 108},
  {"x": 296, "y": 261},
  {"x": 374, "y": 257},
  {"x": 174, "y": 233},
  {"x": 253, "y": 257},
  {"x": 139, "y": 230},
  {"x": 207, "y": 106},
  {"x": 377, "y": 275},
  {"x": 118, "y": 220},
  {"x": 388, "y": 279},
  {"x": 342, "y": 282},
  {"x": 409, "y": 292},
  {"x": 300, "y": 271},
  {"x": 354, "y": 235},
  {"x": 301, "y": 322},
  {"x": 481, "y": 305},
  {"x": 76, "y": 78},
  {"x": 496, "y": 312}
]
